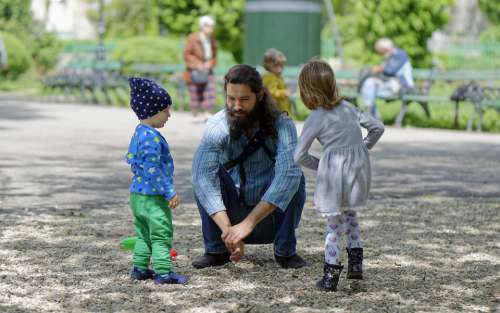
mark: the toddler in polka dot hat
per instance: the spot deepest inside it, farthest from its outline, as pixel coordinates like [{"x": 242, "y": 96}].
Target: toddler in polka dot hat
[
  {"x": 147, "y": 98},
  {"x": 152, "y": 191}
]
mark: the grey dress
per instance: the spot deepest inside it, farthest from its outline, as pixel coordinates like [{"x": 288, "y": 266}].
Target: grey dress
[{"x": 343, "y": 172}]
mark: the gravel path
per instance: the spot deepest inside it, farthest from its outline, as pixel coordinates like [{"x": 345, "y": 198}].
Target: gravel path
[{"x": 431, "y": 233}]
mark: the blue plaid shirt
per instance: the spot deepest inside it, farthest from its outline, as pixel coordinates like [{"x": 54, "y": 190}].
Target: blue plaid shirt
[
  {"x": 275, "y": 183},
  {"x": 151, "y": 163}
]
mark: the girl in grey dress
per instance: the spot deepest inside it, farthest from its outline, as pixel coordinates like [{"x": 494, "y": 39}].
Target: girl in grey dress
[{"x": 343, "y": 172}]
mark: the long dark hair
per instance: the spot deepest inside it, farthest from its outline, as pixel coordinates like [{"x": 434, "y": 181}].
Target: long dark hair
[{"x": 267, "y": 111}]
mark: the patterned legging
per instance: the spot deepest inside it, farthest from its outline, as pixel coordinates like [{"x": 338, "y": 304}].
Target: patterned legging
[{"x": 342, "y": 224}]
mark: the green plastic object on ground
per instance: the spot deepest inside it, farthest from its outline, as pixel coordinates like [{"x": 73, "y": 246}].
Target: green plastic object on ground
[{"x": 128, "y": 243}]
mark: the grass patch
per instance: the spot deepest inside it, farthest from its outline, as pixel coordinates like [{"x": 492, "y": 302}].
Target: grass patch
[{"x": 26, "y": 84}]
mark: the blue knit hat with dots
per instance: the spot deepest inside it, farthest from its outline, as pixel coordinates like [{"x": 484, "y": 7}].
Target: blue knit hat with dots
[{"x": 147, "y": 98}]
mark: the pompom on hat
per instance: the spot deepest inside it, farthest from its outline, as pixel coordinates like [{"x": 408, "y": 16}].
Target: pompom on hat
[{"x": 147, "y": 98}]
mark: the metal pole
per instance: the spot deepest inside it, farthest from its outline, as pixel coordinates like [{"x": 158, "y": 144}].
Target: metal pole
[
  {"x": 101, "y": 50},
  {"x": 335, "y": 31}
]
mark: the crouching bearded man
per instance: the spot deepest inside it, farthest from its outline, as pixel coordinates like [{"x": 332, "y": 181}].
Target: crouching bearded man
[{"x": 247, "y": 187}]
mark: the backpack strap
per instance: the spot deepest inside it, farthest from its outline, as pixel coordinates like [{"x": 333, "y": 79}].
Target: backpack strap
[{"x": 257, "y": 141}]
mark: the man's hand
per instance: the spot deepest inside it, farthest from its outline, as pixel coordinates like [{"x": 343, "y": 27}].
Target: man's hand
[
  {"x": 237, "y": 233},
  {"x": 174, "y": 202},
  {"x": 238, "y": 252},
  {"x": 377, "y": 69}
]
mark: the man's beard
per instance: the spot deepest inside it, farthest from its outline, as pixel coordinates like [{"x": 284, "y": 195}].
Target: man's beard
[{"x": 238, "y": 125}]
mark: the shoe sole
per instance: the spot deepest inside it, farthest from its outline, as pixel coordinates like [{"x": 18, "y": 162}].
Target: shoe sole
[
  {"x": 198, "y": 266},
  {"x": 292, "y": 267},
  {"x": 156, "y": 283},
  {"x": 355, "y": 276}
]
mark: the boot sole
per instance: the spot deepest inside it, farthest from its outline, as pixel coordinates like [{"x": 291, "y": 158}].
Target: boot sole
[{"x": 321, "y": 288}]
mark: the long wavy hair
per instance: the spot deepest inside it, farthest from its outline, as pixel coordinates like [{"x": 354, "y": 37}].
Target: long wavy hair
[{"x": 266, "y": 111}]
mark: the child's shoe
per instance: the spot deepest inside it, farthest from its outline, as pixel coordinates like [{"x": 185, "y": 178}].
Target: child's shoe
[
  {"x": 171, "y": 278},
  {"x": 330, "y": 280},
  {"x": 139, "y": 274},
  {"x": 355, "y": 263}
]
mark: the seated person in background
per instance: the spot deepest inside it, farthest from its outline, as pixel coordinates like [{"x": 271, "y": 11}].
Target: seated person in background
[
  {"x": 274, "y": 62},
  {"x": 392, "y": 76}
]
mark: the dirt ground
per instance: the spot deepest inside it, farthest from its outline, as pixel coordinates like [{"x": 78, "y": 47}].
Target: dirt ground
[{"x": 431, "y": 232}]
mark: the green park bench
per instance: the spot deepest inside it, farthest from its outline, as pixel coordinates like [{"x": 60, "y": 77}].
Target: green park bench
[
  {"x": 482, "y": 98},
  {"x": 168, "y": 73},
  {"x": 85, "y": 77},
  {"x": 87, "y": 80},
  {"x": 347, "y": 81},
  {"x": 425, "y": 79}
]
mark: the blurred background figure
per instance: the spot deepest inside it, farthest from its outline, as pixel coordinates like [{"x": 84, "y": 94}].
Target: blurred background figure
[
  {"x": 3, "y": 54},
  {"x": 392, "y": 76},
  {"x": 274, "y": 63},
  {"x": 200, "y": 58}
]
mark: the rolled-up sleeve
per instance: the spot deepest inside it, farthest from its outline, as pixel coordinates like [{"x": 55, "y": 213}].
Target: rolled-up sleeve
[
  {"x": 287, "y": 174},
  {"x": 205, "y": 169}
]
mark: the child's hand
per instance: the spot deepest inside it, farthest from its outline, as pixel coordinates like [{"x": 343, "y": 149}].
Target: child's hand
[
  {"x": 174, "y": 202},
  {"x": 288, "y": 93}
]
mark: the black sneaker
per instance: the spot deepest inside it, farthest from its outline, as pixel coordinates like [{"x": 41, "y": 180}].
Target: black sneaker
[
  {"x": 294, "y": 261},
  {"x": 170, "y": 278},
  {"x": 208, "y": 260}
]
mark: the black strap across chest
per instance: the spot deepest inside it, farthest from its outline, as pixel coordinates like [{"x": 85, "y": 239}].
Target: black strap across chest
[{"x": 256, "y": 142}]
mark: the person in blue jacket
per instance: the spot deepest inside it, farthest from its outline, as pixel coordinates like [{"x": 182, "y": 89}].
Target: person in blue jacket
[
  {"x": 390, "y": 77},
  {"x": 152, "y": 192}
]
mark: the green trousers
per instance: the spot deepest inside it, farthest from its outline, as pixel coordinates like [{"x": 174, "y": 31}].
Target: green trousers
[{"x": 154, "y": 230}]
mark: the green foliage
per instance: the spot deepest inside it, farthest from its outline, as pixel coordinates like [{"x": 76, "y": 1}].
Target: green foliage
[
  {"x": 477, "y": 56},
  {"x": 491, "y": 34},
  {"x": 19, "y": 59},
  {"x": 128, "y": 18},
  {"x": 181, "y": 17},
  {"x": 492, "y": 9},
  {"x": 27, "y": 84},
  {"x": 45, "y": 49},
  {"x": 408, "y": 22},
  {"x": 15, "y": 17},
  {"x": 151, "y": 50}
]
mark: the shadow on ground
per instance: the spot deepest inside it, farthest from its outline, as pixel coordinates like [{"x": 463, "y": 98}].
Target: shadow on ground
[{"x": 430, "y": 240}]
